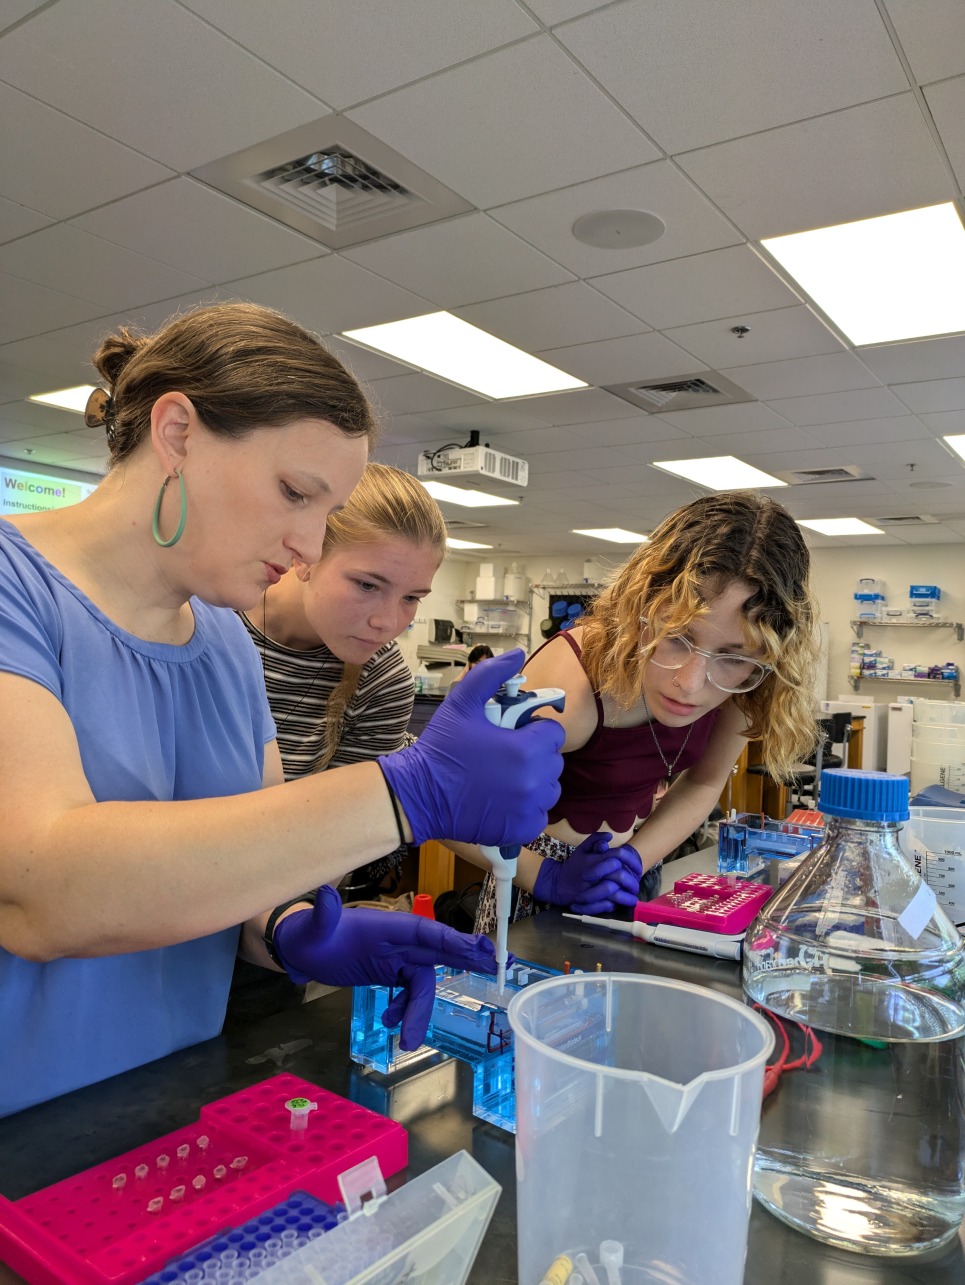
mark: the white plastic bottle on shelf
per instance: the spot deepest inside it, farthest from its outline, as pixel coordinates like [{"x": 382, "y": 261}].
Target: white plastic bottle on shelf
[
  {"x": 421, "y": 679},
  {"x": 514, "y": 583}
]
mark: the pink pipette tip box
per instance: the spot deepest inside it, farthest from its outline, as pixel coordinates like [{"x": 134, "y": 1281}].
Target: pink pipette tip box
[
  {"x": 712, "y": 903},
  {"x": 105, "y": 1226}
]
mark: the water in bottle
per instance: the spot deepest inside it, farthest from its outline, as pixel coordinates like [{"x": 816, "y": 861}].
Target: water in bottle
[{"x": 862, "y": 1145}]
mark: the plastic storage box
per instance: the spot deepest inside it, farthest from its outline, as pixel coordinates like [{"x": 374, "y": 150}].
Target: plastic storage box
[{"x": 934, "y": 838}]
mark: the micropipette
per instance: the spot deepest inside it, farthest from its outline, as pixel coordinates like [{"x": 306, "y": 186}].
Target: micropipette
[
  {"x": 695, "y": 940},
  {"x": 511, "y": 708}
]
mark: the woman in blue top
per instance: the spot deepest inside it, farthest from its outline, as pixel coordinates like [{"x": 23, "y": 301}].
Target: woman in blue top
[{"x": 144, "y": 811}]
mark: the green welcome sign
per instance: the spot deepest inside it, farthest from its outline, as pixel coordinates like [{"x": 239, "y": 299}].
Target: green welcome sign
[{"x": 22, "y": 492}]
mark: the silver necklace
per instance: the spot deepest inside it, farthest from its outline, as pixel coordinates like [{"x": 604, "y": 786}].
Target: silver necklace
[
  {"x": 669, "y": 766},
  {"x": 264, "y": 665}
]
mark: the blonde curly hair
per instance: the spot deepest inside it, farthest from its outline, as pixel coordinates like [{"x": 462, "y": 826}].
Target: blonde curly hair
[{"x": 692, "y": 556}]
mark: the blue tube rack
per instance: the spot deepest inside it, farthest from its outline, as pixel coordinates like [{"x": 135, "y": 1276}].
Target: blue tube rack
[{"x": 468, "y": 1022}]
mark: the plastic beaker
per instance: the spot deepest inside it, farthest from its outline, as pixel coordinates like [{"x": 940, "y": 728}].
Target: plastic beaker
[{"x": 638, "y": 1101}]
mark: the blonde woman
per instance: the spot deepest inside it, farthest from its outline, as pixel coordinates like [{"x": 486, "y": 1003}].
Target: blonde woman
[
  {"x": 703, "y": 640},
  {"x": 338, "y": 686}
]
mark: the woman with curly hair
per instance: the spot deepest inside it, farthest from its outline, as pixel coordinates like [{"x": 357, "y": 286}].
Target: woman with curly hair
[{"x": 703, "y": 640}]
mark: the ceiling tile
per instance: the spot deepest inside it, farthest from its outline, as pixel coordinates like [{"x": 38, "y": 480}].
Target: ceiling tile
[
  {"x": 331, "y": 295},
  {"x": 947, "y": 104},
  {"x": 190, "y": 114},
  {"x": 362, "y": 363},
  {"x": 918, "y": 359},
  {"x": 616, "y": 361},
  {"x": 747, "y": 445},
  {"x": 539, "y": 441},
  {"x": 379, "y": 46},
  {"x": 90, "y": 168},
  {"x": 928, "y": 535},
  {"x": 552, "y": 318},
  {"x": 865, "y": 432},
  {"x": 162, "y": 223},
  {"x": 932, "y": 395},
  {"x": 692, "y": 222},
  {"x": 571, "y": 130},
  {"x": 30, "y": 308},
  {"x": 460, "y": 261},
  {"x": 630, "y": 432},
  {"x": 12, "y": 11},
  {"x": 497, "y": 418},
  {"x": 18, "y": 220},
  {"x": 834, "y": 373},
  {"x": 932, "y": 36},
  {"x": 708, "y": 421},
  {"x": 582, "y": 406},
  {"x": 699, "y": 287},
  {"x": 854, "y": 164},
  {"x": 757, "y": 66},
  {"x": 64, "y": 257},
  {"x": 825, "y": 408},
  {"x": 943, "y": 424},
  {"x": 553, "y": 11},
  {"x": 413, "y": 393},
  {"x": 782, "y": 333}
]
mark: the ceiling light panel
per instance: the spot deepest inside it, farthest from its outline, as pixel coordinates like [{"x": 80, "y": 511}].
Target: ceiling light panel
[
  {"x": 446, "y": 494},
  {"x": 446, "y": 346},
  {"x": 882, "y": 280},
  {"x": 73, "y": 399},
  {"x": 615, "y": 534},
  {"x": 720, "y": 473},
  {"x": 840, "y": 526},
  {"x": 465, "y": 544}
]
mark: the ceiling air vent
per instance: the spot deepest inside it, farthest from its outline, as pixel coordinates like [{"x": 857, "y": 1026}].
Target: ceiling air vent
[
  {"x": 460, "y": 524},
  {"x": 912, "y": 519},
  {"x": 685, "y": 392},
  {"x": 815, "y": 476},
  {"x": 334, "y": 182}
]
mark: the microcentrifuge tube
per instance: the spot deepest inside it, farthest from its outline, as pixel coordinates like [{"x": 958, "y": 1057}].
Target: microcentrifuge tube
[
  {"x": 239, "y": 1163},
  {"x": 611, "y": 1258},
  {"x": 141, "y": 1172},
  {"x": 119, "y": 1182},
  {"x": 183, "y": 1151},
  {"x": 220, "y": 1171},
  {"x": 203, "y": 1142},
  {"x": 177, "y": 1193},
  {"x": 299, "y": 1110},
  {"x": 154, "y": 1206},
  {"x": 163, "y": 1161},
  {"x": 198, "y": 1182}
]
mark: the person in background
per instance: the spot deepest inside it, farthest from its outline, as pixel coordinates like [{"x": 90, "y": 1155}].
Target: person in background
[
  {"x": 148, "y": 834},
  {"x": 478, "y": 653},
  {"x": 339, "y": 689},
  {"x": 703, "y": 640}
]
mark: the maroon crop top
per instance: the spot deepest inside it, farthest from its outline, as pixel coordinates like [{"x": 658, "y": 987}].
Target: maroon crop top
[{"x": 614, "y": 776}]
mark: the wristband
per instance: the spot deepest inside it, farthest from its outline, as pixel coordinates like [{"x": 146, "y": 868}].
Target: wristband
[{"x": 268, "y": 937}]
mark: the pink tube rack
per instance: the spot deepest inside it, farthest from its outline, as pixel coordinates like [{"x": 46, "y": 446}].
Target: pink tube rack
[
  {"x": 120, "y": 1221},
  {"x": 713, "y": 903}
]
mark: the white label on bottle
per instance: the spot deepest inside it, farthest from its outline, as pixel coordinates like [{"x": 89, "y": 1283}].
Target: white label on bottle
[{"x": 918, "y": 912}]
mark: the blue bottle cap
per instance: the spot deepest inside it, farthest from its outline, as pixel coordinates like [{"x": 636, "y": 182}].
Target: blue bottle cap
[{"x": 863, "y": 796}]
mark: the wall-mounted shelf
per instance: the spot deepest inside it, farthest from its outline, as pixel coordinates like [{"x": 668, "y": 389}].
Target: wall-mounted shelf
[
  {"x": 577, "y": 586},
  {"x": 859, "y": 626},
  {"x": 492, "y": 602},
  {"x": 907, "y": 682}
]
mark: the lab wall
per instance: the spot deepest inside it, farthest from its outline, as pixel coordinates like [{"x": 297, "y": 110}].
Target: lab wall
[{"x": 835, "y": 572}]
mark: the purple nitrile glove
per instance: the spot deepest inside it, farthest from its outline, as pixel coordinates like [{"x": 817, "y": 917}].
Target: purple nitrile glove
[
  {"x": 468, "y": 779},
  {"x": 378, "y": 947},
  {"x": 594, "y": 879}
]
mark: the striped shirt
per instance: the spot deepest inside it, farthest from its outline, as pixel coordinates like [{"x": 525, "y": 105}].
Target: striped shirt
[{"x": 299, "y": 684}]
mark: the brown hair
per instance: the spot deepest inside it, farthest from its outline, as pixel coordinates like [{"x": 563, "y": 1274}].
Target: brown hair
[
  {"x": 243, "y": 367},
  {"x": 386, "y": 502},
  {"x": 694, "y": 554}
]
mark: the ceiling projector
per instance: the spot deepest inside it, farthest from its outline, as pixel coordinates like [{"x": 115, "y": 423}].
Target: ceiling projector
[{"x": 462, "y": 463}]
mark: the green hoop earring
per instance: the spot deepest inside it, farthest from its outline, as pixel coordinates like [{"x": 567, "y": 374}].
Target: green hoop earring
[{"x": 182, "y": 519}]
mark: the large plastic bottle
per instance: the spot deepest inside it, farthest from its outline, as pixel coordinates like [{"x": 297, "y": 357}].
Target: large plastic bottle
[{"x": 864, "y": 1147}]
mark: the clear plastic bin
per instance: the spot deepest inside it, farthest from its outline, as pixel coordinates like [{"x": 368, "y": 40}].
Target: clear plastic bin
[
  {"x": 425, "y": 1233},
  {"x": 638, "y": 1101},
  {"x": 934, "y": 839},
  {"x": 925, "y": 773},
  {"x": 952, "y": 734},
  {"x": 945, "y": 712}
]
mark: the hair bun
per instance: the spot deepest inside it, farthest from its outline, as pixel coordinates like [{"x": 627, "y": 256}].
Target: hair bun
[{"x": 115, "y": 352}]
